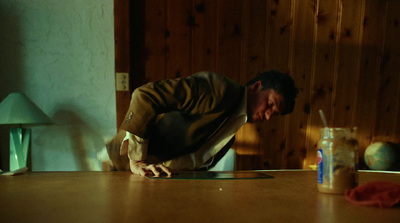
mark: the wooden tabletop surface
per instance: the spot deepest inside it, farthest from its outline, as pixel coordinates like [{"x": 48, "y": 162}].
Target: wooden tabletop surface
[{"x": 291, "y": 196}]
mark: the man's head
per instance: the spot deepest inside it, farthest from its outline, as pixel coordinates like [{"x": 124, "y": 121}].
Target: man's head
[{"x": 271, "y": 92}]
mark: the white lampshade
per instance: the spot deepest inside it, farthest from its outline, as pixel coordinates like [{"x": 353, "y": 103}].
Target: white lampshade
[{"x": 16, "y": 108}]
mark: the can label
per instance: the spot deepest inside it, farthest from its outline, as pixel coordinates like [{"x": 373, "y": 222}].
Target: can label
[{"x": 320, "y": 161}]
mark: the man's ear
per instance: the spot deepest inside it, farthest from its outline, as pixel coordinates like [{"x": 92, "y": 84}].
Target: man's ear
[{"x": 256, "y": 86}]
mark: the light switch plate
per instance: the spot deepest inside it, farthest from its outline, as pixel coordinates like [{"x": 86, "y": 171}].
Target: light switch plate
[{"x": 122, "y": 81}]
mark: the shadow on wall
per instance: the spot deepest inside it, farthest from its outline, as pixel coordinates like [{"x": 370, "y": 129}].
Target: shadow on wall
[
  {"x": 11, "y": 48},
  {"x": 69, "y": 145},
  {"x": 4, "y": 148},
  {"x": 11, "y": 64}
]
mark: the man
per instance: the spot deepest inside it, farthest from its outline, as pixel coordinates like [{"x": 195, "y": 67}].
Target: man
[{"x": 190, "y": 123}]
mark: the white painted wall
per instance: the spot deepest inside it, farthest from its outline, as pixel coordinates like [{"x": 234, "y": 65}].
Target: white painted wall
[{"x": 61, "y": 55}]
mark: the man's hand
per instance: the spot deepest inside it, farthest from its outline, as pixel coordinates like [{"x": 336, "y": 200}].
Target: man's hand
[{"x": 144, "y": 169}]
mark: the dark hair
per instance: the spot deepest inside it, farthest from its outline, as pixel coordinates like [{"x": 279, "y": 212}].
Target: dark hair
[{"x": 283, "y": 84}]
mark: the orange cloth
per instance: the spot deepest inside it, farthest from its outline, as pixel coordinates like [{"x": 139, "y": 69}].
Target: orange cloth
[{"x": 376, "y": 193}]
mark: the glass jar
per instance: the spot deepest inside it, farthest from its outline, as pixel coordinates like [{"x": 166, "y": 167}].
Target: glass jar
[{"x": 337, "y": 160}]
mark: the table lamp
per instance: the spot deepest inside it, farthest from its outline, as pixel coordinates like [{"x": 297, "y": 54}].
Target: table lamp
[{"x": 17, "y": 110}]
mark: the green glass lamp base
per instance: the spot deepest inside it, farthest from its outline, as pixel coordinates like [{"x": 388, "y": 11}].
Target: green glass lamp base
[{"x": 19, "y": 146}]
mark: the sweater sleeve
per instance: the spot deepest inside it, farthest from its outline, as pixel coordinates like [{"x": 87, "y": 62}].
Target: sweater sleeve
[{"x": 197, "y": 94}]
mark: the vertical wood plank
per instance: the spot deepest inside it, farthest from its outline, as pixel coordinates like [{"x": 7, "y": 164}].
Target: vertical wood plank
[
  {"x": 181, "y": 22},
  {"x": 205, "y": 35},
  {"x": 122, "y": 54},
  {"x": 279, "y": 26},
  {"x": 370, "y": 60},
  {"x": 155, "y": 39},
  {"x": 301, "y": 63},
  {"x": 321, "y": 81},
  {"x": 388, "y": 101},
  {"x": 254, "y": 35},
  {"x": 230, "y": 33},
  {"x": 137, "y": 31},
  {"x": 345, "y": 89}
]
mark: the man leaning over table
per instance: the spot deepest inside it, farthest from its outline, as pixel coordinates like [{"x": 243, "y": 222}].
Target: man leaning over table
[{"x": 190, "y": 123}]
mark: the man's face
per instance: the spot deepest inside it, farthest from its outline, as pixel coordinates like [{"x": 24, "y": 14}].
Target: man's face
[{"x": 262, "y": 104}]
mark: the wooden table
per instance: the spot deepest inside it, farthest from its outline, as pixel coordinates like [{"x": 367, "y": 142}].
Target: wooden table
[{"x": 291, "y": 196}]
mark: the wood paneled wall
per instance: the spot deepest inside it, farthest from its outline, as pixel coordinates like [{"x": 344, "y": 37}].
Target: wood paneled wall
[{"x": 343, "y": 54}]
